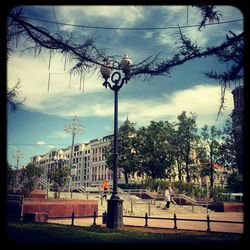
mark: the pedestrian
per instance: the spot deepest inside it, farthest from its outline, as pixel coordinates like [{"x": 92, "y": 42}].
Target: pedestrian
[
  {"x": 171, "y": 191},
  {"x": 105, "y": 188},
  {"x": 167, "y": 198}
]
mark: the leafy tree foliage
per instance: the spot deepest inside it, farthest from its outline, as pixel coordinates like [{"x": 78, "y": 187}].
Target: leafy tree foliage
[
  {"x": 211, "y": 138},
  {"x": 186, "y": 139},
  {"x": 12, "y": 97},
  {"x": 227, "y": 149},
  {"x": 31, "y": 175},
  {"x": 127, "y": 159},
  {"x": 235, "y": 182},
  {"x": 153, "y": 146},
  {"x": 59, "y": 177},
  {"x": 11, "y": 175}
]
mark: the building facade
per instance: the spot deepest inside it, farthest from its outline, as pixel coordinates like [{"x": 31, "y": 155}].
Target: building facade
[{"x": 88, "y": 164}]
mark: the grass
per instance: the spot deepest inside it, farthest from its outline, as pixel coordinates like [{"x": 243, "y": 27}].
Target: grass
[{"x": 38, "y": 233}]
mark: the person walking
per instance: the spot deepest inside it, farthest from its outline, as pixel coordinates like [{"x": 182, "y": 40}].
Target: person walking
[
  {"x": 167, "y": 198},
  {"x": 105, "y": 188}
]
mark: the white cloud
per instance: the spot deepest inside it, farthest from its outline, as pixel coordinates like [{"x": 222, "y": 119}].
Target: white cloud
[
  {"x": 212, "y": 35},
  {"x": 204, "y": 100},
  {"x": 120, "y": 15},
  {"x": 35, "y": 82},
  {"x": 40, "y": 142}
]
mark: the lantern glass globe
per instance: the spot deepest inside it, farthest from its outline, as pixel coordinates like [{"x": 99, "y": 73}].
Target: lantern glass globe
[
  {"x": 126, "y": 62},
  {"x": 105, "y": 71}
]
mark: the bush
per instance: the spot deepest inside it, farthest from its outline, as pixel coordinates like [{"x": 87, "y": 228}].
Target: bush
[
  {"x": 190, "y": 189},
  {"x": 217, "y": 194}
]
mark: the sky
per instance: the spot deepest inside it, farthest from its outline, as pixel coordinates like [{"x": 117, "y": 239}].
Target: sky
[{"x": 38, "y": 126}]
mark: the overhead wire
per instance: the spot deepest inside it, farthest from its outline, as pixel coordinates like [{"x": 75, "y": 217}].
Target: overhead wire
[
  {"x": 128, "y": 28},
  {"x": 55, "y": 18},
  {"x": 29, "y": 144},
  {"x": 115, "y": 28}
]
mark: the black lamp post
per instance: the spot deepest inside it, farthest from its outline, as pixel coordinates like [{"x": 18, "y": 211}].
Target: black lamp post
[{"x": 115, "y": 211}]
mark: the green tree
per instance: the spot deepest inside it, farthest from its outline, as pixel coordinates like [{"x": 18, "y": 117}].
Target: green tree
[
  {"x": 154, "y": 149},
  {"x": 235, "y": 182},
  {"x": 127, "y": 159},
  {"x": 211, "y": 139},
  {"x": 59, "y": 177},
  {"x": 31, "y": 175},
  {"x": 178, "y": 154},
  {"x": 186, "y": 139},
  {"x": 11, "y": 176},
  {"x": 228, "y": 148}
]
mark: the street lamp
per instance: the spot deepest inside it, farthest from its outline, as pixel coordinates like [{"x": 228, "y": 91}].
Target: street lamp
[
  {"x": 74, "y": 129},
  {"x": 17, "y": 155},
  {"x": 115, "y": 212}
]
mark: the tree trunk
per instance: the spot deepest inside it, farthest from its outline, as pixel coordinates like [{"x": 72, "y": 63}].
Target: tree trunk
[
  {"x": 211, "y": 169},
  {"x": 153, "y": 175},
  {"x": 187, "y": 165},
  {"x": 179, "y": 174},
  {"x": 187, "y": 172},
  {"x": 179, "y": 168},
  {"x": 126, "y": 177}
]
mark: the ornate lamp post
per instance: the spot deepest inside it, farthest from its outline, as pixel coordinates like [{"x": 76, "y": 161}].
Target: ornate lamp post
[
  {"x": 115, "y": 212},
  {"x": 74, "y": 129},
  {"x": 17, "y": 156}
]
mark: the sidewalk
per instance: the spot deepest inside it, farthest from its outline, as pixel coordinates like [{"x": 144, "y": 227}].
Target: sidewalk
[{"x": 169, "y": 224}]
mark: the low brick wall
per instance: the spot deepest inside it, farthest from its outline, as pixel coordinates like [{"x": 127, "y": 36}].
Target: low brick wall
[
  {"x": 37, "y": 217},
  {"x": 227, "y": 207},
  {"x": 60, "y": 207},
  {"x": 233, "y": 206},
  {"x": 38, "y": 194}
]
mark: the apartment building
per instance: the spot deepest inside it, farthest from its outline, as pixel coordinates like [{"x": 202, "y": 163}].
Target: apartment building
[
  {"x": 88, "y": 166},
  {"x": 88, "y": 163}
]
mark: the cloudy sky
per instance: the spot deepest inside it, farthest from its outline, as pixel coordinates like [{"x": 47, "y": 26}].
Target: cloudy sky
[{"x": 39, "y": 126}]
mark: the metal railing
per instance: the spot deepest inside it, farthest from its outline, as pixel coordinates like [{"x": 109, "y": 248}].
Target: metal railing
[
  {"x": 147, "y": 218},
  {"x": 133, "y": 201},
  {"x": 45, "y": 183},
  {"x": 82, "y": 190},
  {"x": 182, "y": 197}
]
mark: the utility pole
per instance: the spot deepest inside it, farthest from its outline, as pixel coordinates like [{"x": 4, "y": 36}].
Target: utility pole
[
  {"x": 17, "y": 156},
  {"x": 74, "y": 128}
]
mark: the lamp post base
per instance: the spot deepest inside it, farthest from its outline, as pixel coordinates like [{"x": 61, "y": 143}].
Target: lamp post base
[{"x": 115, "y": 213}]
